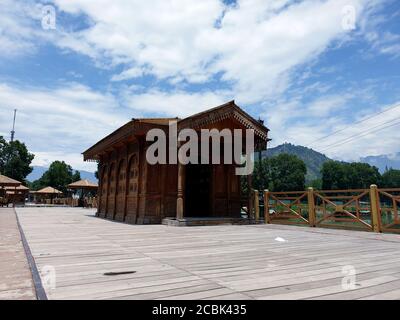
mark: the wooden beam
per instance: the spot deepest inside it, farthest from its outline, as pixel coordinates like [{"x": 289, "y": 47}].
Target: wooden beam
[
  {"x": 180, "y": 195},
  {"x": 375, "y": 208}
]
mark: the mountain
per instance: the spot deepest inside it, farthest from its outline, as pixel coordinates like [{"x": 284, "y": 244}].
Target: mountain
[
  {"x": 384, "y": 161},
  {"x": 38, "y": 172},
  {"x": 313, "y": 159}
]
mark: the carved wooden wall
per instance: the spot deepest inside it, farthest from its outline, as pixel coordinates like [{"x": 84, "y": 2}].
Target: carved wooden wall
[
  {"x": 132, "y": 191},
  {"x": 120, "y": 191},
  {"x": 111, "y": 191},
  {"x": 103, "y": 191}
]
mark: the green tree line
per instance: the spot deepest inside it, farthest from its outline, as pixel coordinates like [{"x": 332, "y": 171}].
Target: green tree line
[
  {"x": 15, "y": 159},
  {"x": 286, "y": 172},
  {"x": 342, "y": 175},
  {"x": 58, "y": 176}
]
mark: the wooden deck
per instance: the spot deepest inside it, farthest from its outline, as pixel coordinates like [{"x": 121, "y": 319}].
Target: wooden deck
[
  {"x": 208, "y": 262},
  {"x": 15, "y": 276}
]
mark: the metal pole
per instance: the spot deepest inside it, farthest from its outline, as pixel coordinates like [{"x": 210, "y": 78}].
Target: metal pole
[{"x": 13, "y": 127}]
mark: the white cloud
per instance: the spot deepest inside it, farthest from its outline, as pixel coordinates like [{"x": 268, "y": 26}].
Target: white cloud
[
  {"x": 370, "y": 134},
  {"x": 327, "y": 105},
  {"x": 331, "y": 135},
  {"x": 21, "y": 32},
  {"x": 60, "y": 123},
  {"x": 44, "y": 159},
  {"x": 254, "y": 45},
  {"x": 15, "y": 29},
  {"x": 177, "y": 103},
  {"x": 69, "y": 118}
]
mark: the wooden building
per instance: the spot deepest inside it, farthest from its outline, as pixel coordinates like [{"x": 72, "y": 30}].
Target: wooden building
[
  {"x": 134, "y": 191},
  {"x": 86, "y": 192},
  {"x": 46, "y": 195},
  {"x": 6, "y": 182},
  {"x": 17, "y": 195}
]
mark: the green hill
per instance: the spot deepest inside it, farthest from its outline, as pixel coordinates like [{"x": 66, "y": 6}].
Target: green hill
[{"x": 311, "y": 158}]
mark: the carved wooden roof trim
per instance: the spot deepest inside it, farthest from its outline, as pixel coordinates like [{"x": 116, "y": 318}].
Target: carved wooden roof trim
[
  {"x": 137, "y": 127},
  {"x": 220, "y": 113}
]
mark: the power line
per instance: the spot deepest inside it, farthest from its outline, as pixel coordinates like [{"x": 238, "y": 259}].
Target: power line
[
  {"x": 357, "y": 122},
  {"x": 361, "y": 135},
  {"x": 13, "y": 127}
]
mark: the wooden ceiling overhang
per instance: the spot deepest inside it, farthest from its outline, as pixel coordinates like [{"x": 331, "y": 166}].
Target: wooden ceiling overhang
[
  {"x": 120, "y": 137},
  {"x": 223, "y": 112},
  {"x": 135, "y": 128}
]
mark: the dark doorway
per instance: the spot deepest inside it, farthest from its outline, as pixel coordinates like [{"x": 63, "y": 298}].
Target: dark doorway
[{"x": 197, "y": 190}]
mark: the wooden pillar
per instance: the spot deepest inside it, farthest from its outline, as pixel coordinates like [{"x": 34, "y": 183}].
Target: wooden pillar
[
  {"x": 256, "y": 205},
  {"x": 142, "y": 185},
  {"x": 117, "y": 172},
  {"x": 229, "y": 169},
  {"x": 375, "y": 209},
  {"x": 108, "y": 184},
  {"x": 163, "y": 180},
  {"x": 267, "y": 217},
  {"x": 311, "y": 207},
  {"x": 126, "y": 182},
  {"x": 250, "y": 195},
  {"x": 180, "y": 195}
]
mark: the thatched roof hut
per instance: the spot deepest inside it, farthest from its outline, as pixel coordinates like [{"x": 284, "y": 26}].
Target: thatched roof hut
[
  {"x": 8, "y": 182},
  {"x": 19, "y": 189},
  {"x": 83, "y": 184},
  {"x": 48, "y": 190}
]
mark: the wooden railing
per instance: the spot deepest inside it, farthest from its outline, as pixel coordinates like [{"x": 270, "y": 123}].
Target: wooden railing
[
  {"x": 370, "y": 209},
  {"x": 88, "y": 202},
  {"x": 388, "y": 206}
]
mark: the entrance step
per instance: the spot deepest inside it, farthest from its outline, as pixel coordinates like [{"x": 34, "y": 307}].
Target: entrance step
[{"x": 193, "y": 221}]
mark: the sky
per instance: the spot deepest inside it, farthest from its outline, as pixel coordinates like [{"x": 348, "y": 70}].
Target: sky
[{"x": 321, "y": 73}]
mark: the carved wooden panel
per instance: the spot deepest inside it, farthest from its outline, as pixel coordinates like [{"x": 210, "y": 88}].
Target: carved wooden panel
[
  {"x": 133, "y": 188},
  {"x": 120, "y": 190},
  {"x": 171, "y": 177},
  {"x": 153, "y": 206},
  {"x": 103, "y": 192},
  {"x": 220, "y": 181},
  {"x": 170, "y": 206},
  {"x": 111, "y": 191},
  {"x": 234, "y": 182},
  {"x": 153, "y": 178},
  {"x": 220, "y": 207}
]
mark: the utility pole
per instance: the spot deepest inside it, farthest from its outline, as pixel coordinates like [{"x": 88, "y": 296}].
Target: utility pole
[{"x": 13, "y": 127}]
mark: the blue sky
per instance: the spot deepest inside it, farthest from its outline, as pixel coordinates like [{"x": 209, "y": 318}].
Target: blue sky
[{"x": 306, "y": 67}]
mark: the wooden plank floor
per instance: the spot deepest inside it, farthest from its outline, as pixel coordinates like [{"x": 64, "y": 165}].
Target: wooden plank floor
[
  {"x": 15, "y": 275},
  {"x": 211, "y": 262}
]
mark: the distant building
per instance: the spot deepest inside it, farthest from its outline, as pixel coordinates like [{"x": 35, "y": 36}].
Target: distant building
[{"x": 134, "y": 191}]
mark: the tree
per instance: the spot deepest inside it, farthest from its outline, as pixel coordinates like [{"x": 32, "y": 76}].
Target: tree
[
  {"x": 58, "y": 176},
  {"x": 96, "y": 174},
  {"x": 361, "y": 175},
  {"x": 15, "y": 159},
  {"x": 316, "y": 184},
  {"x": 287, "y": 173},
  {"x": 391, "y": 179},
  {"x": 333, "y": 175},
  {"x": 261, "y": 174},
  {"x": 341, "y": 175},
  {"x": 283, "y": 172},
  {"x": 76, "y": 176}
]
